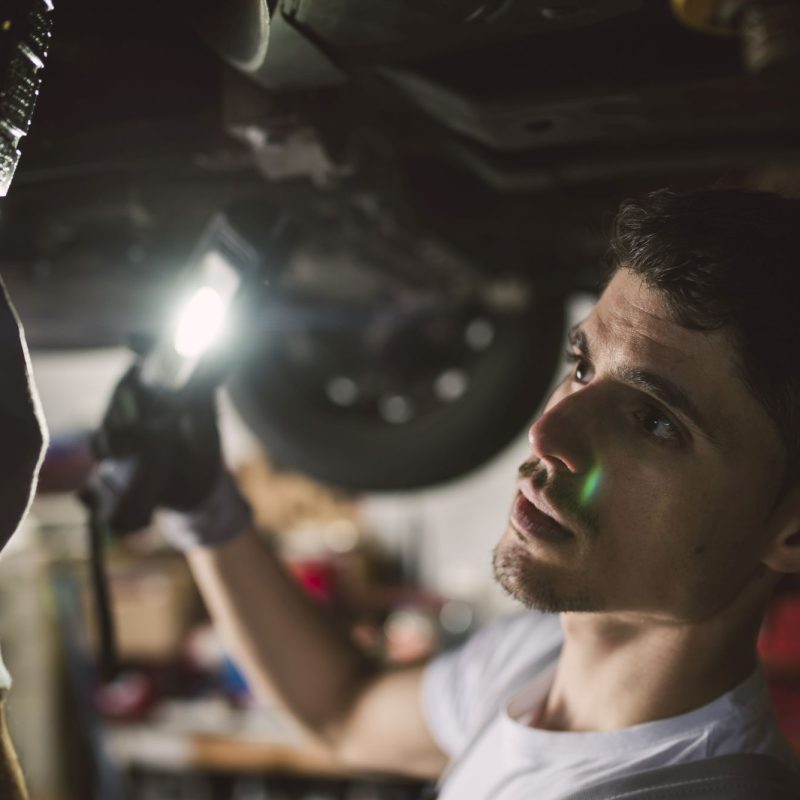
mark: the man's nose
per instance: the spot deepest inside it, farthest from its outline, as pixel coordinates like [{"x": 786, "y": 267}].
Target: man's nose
[{"x": 561, "y": 436}]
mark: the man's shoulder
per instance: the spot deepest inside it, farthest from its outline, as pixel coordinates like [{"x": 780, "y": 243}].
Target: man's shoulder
[
  {"x": 515, "y": 639},
  {"x": 462, "y": 687},
  {"x": 500, "y": 656}
]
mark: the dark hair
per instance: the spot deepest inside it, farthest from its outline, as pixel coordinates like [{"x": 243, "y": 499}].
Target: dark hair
[{"x": 727, "y": 258}]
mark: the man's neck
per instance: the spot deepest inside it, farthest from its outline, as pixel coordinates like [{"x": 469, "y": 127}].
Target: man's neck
[{"x": 616, "y": 671}]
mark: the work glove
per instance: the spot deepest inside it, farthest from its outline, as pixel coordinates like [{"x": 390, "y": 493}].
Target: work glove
[{"x": 161, "y": 451}]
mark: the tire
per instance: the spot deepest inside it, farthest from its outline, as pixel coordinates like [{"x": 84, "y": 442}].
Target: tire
[{"x": 361, "y": 452}]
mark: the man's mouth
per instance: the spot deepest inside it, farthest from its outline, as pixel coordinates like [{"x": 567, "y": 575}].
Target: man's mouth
[{"x": 530, "y": 521}]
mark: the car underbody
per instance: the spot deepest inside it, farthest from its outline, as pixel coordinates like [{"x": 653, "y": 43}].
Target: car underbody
[{"x": 447, "y": 171}]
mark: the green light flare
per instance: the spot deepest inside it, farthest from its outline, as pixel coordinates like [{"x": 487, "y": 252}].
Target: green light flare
[{"x": 591, "y": 484}]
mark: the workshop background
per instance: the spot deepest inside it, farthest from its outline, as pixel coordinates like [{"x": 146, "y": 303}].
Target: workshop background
[
  {"x": 426, "y": 188},
  {"x": 411, "y": 573}
]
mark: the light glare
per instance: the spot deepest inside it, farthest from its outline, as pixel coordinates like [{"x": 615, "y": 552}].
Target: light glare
[
  {"x": 200, "y": 322},
  {"x": 591, "y": 484}
]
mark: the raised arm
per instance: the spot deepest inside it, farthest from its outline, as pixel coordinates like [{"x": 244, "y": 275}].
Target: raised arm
[
  {"x": 295, "y": 652},
  {"x": 289, "y": 647}
]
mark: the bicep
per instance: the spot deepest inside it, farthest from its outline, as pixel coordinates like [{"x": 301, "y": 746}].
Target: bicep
[{"x": 386, "y": 729}]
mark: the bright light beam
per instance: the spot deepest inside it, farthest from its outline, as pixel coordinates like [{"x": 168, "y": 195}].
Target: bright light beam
[{"x": 201, "y": 322}]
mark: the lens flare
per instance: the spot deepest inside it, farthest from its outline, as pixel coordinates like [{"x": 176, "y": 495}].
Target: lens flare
[{"x": 591, "y": 484}]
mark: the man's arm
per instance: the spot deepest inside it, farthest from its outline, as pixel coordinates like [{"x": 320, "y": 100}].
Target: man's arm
[
  {"x": 290, "y": 648},
  {"x": 294, "y": 652}
]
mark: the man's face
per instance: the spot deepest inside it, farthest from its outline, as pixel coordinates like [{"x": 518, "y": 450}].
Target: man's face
[{"x": 660, "y": 466}]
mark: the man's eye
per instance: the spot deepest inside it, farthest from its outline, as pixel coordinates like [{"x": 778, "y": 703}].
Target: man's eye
[
  {"x": 582, "y": 369},
  {"x": 657, "y": 424}
]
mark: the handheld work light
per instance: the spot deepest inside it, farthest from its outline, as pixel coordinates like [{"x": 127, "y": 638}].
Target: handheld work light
[
  {"x": 121, "y": 494},
  {"x": 202, "y": 320}
]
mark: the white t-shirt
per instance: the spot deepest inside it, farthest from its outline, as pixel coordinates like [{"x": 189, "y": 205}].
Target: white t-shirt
[{"x": 512, "y": 761}]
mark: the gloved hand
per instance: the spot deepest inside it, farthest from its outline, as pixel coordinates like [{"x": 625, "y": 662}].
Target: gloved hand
[{"x": 162, "y": 451}]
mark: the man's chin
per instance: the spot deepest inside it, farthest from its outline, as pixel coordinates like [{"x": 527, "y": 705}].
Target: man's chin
[{"x": 537, "y": 585}]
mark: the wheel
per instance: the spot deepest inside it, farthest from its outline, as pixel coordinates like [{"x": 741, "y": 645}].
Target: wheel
[{"x": 385, "y": 363}]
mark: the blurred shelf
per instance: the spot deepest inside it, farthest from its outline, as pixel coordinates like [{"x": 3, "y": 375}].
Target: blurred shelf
[{"x": 145, "y": 746}]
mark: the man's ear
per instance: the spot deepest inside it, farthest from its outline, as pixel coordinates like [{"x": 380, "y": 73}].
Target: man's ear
[{"x": 783, "y": 551}]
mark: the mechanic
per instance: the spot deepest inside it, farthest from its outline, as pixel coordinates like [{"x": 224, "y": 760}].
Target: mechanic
[
  {"x": 24, "y": 437},
  {"x": 657, "y": 511}
]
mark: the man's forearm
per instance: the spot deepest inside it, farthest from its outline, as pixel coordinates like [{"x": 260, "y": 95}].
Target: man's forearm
[{"x": 288, "y": 646}]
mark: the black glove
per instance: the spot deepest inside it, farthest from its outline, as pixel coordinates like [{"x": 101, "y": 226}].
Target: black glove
[{"x": 162, "y": 450}]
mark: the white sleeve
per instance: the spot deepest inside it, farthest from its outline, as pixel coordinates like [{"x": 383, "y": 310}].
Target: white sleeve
[{"x": 462, "y": 686}]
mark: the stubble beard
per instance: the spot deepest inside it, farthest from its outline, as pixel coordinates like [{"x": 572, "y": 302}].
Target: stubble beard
[{"x": 537, "y": 586}]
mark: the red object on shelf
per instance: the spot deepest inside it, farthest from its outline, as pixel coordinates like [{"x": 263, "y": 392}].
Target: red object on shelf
[
  {"x": 129, "y": 696},
  {"x": 779, "y": 640},
  {"x": 779, "y": 648},
  {"x": 316, "y": 577},
  {"x": 786, "y": 702}
]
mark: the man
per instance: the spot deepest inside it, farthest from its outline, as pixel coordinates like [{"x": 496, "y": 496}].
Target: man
[
  {"x": 23, "y": 439},
  {"x": 658, "y": 508}
]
